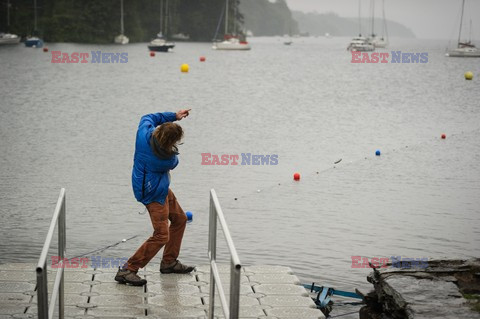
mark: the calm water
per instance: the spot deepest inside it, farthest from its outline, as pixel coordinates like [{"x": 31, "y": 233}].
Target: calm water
[{"x": 73, "y": 126}]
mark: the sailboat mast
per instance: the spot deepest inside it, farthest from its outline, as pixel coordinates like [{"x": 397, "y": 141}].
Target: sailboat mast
[
  {"x": 234, "y": 17},
  {"x": 121, "y": 16},
  {"x": 373, "y": 18},
  {"x": 461, "y": 22},
  {"x": 166, "y": 17},
  {"x": 226, "y": 17},
  {"x": 470, "y": 33},
  {"x": 35, "y": 16},
  {"x": 161, "y": 16},
  {"x": 360, "y": 17},
  {"x": 384, "y": 29},
  {"x": 8, "y": 15}
]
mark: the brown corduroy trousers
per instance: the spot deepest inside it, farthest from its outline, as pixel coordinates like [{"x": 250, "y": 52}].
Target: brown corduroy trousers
[{"x": 164, "y": 234}]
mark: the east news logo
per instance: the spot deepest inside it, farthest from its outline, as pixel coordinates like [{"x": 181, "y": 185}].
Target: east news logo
[
  {"x": 396, "y": 57},
  {"x": 83, "y": 57}
]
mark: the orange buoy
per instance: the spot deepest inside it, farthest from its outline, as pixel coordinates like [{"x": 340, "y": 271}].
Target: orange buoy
[
  {"x": 202, "y": 59},
  {"x": 444, "y": 136},
  {"x": 152, "y": 53},
  {"x": 296, "y": 176}
]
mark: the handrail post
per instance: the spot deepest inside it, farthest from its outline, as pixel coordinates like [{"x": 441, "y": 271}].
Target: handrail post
[
  {"x": 44, "y": 310},
  {"x": 235, "y": 265},
  {"x": 234, "y": 290},
  {"x": 42, "y": 292},
  {"x": 212, "y": 253},
  {"x": 62, "y": 242}
]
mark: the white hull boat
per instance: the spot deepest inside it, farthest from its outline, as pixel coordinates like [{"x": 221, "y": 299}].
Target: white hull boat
[
  {"x": 465, "y": 49},
  {"x": 8, "y": 38},
  {"x": 121, "y": 39},
  {"x": 231, "y": 44}
]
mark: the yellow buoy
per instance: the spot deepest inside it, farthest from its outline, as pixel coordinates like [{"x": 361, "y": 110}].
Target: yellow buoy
[
  {"x": 468, "y": 75},
  {"x": 184, "y": 67}
]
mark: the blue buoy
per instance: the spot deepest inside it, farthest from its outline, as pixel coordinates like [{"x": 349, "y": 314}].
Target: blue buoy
[
  {"x": 189, "y": 216},
  {"x": 377, "y": 152}
]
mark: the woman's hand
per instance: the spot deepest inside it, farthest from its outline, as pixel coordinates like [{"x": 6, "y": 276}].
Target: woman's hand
[{"x": 182, "y": 113}]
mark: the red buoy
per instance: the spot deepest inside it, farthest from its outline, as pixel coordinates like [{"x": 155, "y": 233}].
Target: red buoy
[
  {"x": 202, "y": 59},
  {"x": 296, "y": 176},
  {"x": 444, "y": 136},
  {"x": 152, "y": 53},
  {"x": 45, "y": 49}
]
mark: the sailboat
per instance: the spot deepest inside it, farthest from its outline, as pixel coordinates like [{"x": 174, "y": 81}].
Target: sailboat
[
  {"x": 8, "y": 38},
  {"x": 230, "y": 41},
  {"x": 378, "y": 42},
  {"x": 34, "y": 41},
  {"x": 360, "y": 43},
  {"x": 289, "y": 40},
  {"x": 467, "y": 48},
  {"x": 121, "y": 38},
  {"x": 160, "y": 43}
]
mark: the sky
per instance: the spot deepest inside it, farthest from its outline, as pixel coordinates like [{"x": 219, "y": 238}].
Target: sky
[{"x": 436, "y": 19}]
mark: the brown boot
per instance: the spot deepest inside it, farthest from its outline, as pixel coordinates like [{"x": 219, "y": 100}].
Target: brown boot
[
  {"x": 125, "y": 276},
  {"x": 176, "y": 268}
]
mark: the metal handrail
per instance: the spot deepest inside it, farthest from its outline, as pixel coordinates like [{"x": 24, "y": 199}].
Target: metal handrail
[
  {"x": 45, "y": 311},
  {"x": 235, "y": 266}
]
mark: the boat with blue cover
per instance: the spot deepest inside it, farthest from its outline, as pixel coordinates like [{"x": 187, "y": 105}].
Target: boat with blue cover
[{"x": 34, "y": 41}]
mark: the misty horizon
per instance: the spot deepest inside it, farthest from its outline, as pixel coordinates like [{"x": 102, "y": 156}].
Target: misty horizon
[{"x": 430, "y": 19}]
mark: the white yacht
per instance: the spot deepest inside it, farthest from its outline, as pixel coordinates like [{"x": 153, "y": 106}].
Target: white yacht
[
  {"x": 230, "y": 42},
  {"x": 181, "y": 37},
  {"x": 121, "y": 38},
  {"x": 464, "y": 49},
  {"x": 8, "y": 38},
  {"x": 360, "y": 44},
  {"x": 378, "y": 42}
]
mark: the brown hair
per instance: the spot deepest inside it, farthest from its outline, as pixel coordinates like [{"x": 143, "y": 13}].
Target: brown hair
[{"x": 167, "y": 136}]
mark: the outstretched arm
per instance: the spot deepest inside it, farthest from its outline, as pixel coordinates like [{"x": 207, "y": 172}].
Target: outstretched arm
[{"x": 156, "y": 119}]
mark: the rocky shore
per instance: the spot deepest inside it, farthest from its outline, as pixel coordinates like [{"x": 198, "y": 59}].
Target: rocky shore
[{"x": 443, "y": 289}]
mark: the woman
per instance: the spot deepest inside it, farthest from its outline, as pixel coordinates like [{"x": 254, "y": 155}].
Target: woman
[{"x": 155, "y": 155}]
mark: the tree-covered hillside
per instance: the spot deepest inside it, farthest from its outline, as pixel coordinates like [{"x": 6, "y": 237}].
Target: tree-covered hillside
[
  {"x": 98, "y": 21},
  {"x": 264, "y": 18}
]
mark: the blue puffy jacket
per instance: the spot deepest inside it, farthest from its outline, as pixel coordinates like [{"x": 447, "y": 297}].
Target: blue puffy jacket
[{"x": 150, "y": 178}]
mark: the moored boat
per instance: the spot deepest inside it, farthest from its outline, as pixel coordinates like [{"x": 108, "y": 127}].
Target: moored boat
[
  {"x": 230, "y": 41},
  {"x": 8, "y": 38},
  {"x": 121, "y": 38},
  {"x": 160, "y": 43},
  {"x": 360, "y": 44},
  {"x": 33, "y": 42},
  {"x": 465, "y": 49}
]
